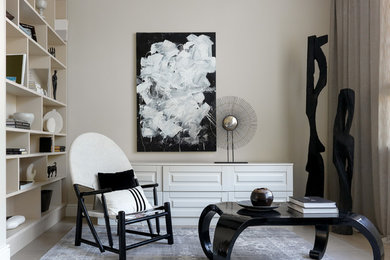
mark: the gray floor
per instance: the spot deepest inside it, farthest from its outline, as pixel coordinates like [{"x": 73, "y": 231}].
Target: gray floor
[{"x": 340, "y": 247}]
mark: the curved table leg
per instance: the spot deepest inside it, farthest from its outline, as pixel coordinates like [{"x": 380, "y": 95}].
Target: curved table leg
[
  {"x": 321, "y": 241},
  {"x": 368, "y": 229},
  {"x": 204, "y": 228},
  {"x": 226, "y": 232}
]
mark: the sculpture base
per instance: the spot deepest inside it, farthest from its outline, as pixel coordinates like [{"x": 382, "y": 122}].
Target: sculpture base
[{"x": 342, "y": 230}]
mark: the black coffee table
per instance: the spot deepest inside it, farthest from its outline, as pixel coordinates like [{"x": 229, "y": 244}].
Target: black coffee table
[{"x": 234, "y": 219}]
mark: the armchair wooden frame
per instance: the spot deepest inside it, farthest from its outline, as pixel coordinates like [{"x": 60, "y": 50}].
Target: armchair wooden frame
[
  {"x": 123, "y": 220},
  {"x": 82, "y": 212}
]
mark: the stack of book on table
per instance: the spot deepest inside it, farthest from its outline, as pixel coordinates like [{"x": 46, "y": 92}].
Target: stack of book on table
[
  {"x": 18, "y": 124},
  {"x": 16, "y": 151},
  {"x": 313, "y": 205}
]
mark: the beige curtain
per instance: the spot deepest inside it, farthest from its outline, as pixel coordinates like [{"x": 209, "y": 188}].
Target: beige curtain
[{"x": 359, "y": 58}]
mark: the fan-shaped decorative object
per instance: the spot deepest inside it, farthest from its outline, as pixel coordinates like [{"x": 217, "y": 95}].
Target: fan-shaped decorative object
[{"x": 236, "y": 124}]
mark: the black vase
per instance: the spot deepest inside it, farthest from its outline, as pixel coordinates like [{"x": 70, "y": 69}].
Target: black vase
[{"x": 262, "y": 197}]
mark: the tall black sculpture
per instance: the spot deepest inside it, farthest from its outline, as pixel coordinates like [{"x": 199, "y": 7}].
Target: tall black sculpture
[
  {"x": 343, "y": 151},
  {"x": 315, "y": 163}
]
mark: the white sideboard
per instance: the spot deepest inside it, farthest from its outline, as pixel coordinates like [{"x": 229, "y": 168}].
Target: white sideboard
[{"x": 190, "y": 187}]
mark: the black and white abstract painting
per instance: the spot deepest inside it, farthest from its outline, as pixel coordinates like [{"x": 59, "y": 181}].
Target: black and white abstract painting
[{"x": 176, "y": 92}]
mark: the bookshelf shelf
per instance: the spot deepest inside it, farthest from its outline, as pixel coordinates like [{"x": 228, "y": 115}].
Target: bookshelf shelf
[
  {"x": 36, "y": 185},
  {"x": 27, "y": 97}
]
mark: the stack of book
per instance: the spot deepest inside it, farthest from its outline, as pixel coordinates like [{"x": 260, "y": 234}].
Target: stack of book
[
  {"x": 313, "y": 205},
  {"x": 59, "y": 148},
  {"x": 18, "y": 124},
  {"x": 16, "y": 151}
]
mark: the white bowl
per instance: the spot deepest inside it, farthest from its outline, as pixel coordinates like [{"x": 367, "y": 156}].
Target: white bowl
[{"x": 27, "y": 117}]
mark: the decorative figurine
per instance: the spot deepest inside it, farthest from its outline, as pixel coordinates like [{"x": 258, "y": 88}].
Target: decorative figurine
[
  {"x": 52, "y": 51},
  {"x": 52, "y": 170},
  {"x": 41, "y": 6},
  {"x": 315, "y": 163},
  {"x": 54, "y": 82},
  {"x": 31, "y": 172}
]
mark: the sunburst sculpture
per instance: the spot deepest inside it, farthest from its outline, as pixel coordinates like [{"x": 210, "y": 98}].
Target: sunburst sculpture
[{"x": 236, "y": 124}]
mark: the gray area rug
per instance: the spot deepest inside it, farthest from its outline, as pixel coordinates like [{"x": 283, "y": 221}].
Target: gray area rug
[{"x": 263, "y": 243}]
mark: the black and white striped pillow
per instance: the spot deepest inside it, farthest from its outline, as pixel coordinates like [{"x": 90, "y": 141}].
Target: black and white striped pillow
[{"x": 130, "y": 201}]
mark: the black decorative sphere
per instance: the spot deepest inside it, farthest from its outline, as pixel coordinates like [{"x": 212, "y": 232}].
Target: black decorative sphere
[{"x": 262, "y": 197}]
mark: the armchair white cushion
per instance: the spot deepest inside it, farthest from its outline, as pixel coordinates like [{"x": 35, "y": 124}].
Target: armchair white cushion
[{"x": 130, "y": 201}]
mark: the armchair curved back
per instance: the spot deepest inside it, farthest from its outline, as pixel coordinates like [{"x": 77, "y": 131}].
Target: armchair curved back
[{"x": 91, "y": 153}]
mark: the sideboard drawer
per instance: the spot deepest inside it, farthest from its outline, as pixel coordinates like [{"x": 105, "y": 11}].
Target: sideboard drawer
[
  {"x": 147, "y": 174},
  {"x": 275, "y": 178},
  {"x": 191, "y": 204},
  {"x": 192, "y": 178}
]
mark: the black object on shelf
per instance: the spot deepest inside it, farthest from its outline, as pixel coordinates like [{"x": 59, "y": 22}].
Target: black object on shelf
[
  {"x": 52, "y": 170},
  {"x": 45, "y": 144},
  {"x": 9, "y": 16},
  {"x": 52, "y": 51},
  {"x": 45, "y": 199},
  {"x": 54, "y": 83}
]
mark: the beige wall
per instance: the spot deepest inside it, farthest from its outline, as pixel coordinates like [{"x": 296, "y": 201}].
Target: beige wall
[{"x": 261, "y": 57}]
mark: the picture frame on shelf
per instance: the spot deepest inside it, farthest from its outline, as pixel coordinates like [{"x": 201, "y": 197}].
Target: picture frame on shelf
[{"x": 29, "y": 30}]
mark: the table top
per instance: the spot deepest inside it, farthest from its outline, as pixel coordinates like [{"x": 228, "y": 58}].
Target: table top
[{"x": 281, "y": 215}]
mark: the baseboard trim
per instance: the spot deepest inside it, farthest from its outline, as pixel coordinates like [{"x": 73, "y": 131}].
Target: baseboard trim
[{"x": 5, "y": 252}]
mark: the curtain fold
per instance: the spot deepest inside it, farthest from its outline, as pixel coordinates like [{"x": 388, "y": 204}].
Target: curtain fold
[{"x": 359, "y": 59}]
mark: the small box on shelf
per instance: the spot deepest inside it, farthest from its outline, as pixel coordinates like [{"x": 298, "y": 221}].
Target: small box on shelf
[{"x": 45, "y": 144}]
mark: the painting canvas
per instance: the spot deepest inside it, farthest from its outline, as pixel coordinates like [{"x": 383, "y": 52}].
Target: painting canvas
[{"x": 176, "y": 92}]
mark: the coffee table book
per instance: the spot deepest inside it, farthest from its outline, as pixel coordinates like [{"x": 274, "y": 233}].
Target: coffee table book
[
  {"x": 312, "y": 202},
  {"x": 313, "y": 210}
]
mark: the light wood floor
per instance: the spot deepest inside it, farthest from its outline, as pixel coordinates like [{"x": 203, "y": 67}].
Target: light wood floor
[{"x": 354, "y": 247}]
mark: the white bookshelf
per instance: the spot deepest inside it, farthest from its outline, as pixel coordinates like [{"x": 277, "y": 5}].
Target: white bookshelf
[{"x": 20, "y": 98}]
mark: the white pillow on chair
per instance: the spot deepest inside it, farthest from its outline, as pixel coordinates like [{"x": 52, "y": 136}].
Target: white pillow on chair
[{"x": 130, "y": 201}]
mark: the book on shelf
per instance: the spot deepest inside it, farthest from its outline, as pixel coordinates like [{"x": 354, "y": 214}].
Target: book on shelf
[
  {"x": 59, "y": 148},
  {"x": 13, "y": 153},
  {"x": 16, "y": 151},
  {"x": 25, "y": 184},
  {"x": 18, "y": 124},
  {"x": 16, "y": 67},
  {"x": 312, "y": 202},
  {"x": 298, "y": 208}
]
